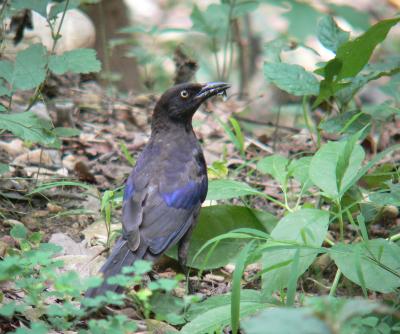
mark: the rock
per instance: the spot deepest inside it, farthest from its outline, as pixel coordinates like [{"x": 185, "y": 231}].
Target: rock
[
  {"x": 84, "y": 265},
  {"x": 3, "y": 248},
  {"x": 98, "y": 231},
  {"x": 69, "y": 246},
  {"x": 159, "y": 327},
  {"x": 11, "y": 222},
  {"x": 215, "y": 278},
  {"x": 77, "y": 31},
  {"x": 40, "y": 157},
  {"x": 31, "y": 223},
  {"x": 14, "y": 147},
  {"x": 54, "y": 208},
  {"x": 40, "y": 110}
]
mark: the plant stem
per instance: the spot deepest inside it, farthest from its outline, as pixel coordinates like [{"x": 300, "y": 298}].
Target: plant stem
[
  {"x": 307, "y": 119},
  {"x": 335, "y": 283},
  {"x": 227, "y": 37},
  {"x": 395, "y": 237},
  {"x": 341, "y": 223},
  {"x": 55, "y": 37},
  {"x": 214, "y": 46}
]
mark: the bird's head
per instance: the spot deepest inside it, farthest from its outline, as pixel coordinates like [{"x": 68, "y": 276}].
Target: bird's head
[{"x": 180, "y": 102}]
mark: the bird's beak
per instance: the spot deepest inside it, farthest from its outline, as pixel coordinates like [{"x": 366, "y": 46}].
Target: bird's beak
[{"x": 212, "y": 88}]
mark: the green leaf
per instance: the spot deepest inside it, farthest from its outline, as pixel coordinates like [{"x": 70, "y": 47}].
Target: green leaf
[
  {"x": 358, "y": 19},
  {"x": 330, "y": 35},
  {"x": 293, "y": 79},
  {"x": 223, "y": 219},
  {"x": 19, "y": 231},
  {"x": 379, "y": 263},
  {"x": 213, "y": 314},
  {"x": 30, "y": 67},
  {"x": 285, "y": 321},
  {"x": 349, "y": 122},
  {"x": 307, "y": 227},
  {"x": 36, "y": 328},
  {"x": 352, "y": 56},
  {"x": 299, "y": 169},
  {"x": 381, "y": 112},
  {"x": 325, "y": 166},
  {"x": 60, "y": 7},
  {"x": 247, "y": 295},
  {"x": 66, "y": 132},
  {"x": 243, "y": 7},
  {"x": 75, "y": 61},
  {"x": 387, "y": 198},
  {"x": 29, "y": 127},
  {"x": 240, "y": 265},
  {"x": 302, "y": 19},
  {"x": 213, "y": 21},
  {"x": 227, "y": 189},
  {"x": 6, "y": 70},
  {"x": 276, "y": 166},
  {"x": 39, "y": 6}
]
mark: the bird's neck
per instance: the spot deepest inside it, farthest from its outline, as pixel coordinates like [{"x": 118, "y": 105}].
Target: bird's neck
[{"x": 160, "y": 127}]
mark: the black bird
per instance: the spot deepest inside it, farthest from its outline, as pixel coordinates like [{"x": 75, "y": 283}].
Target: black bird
[{"x": 164, "y": 192}]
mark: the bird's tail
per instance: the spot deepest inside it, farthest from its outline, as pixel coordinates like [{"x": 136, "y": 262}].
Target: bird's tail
[{"x": 121, "y": 256}]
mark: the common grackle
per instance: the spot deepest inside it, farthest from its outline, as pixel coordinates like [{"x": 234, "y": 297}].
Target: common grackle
[{"x": 164, "y": 192}]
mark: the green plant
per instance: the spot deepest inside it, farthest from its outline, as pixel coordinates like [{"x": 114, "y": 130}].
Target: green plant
[
  {"x": 34, "y": 270},
  {"x": 30, "y": 71}
]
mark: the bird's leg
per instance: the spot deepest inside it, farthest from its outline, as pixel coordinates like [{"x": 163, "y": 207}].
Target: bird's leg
[{"x": 183, "y": 248}]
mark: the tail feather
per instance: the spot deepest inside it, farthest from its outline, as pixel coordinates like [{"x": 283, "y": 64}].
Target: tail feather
[{"x": 121, "y": 256}]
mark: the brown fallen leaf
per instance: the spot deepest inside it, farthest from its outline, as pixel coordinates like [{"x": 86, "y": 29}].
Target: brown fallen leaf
[{"x": 83, "y": 172}]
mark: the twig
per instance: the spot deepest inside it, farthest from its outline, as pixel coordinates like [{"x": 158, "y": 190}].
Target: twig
[{"x": 254, "y": 121}]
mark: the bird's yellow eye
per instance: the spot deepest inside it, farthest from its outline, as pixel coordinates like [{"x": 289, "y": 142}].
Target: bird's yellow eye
[{"x": 184, "y": 94}]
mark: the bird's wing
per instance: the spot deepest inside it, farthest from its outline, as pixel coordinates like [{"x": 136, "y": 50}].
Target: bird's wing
[{"x": 157, "y": 209}]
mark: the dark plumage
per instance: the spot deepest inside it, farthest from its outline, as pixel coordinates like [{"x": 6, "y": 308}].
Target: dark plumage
[{"x": 164, "y": 192}]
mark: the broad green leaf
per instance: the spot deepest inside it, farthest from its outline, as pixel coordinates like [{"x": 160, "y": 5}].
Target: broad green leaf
[
  {"x": 61, "y": 6},
  {"x": 343, "y": 163},
  {"x": 29, "y": 127},
  {"x": 247, "y": 295},
  {"x": 214, "y": 313},
  {"x": 227, "y": 189},
  {"x": 39, "y": 6},
  {"x": 349, "y": 122},
  {"x": 387, "y": 198},
  {"x": 6, "y": 70},
  {"x": 291, "y": 78},
  {"x": 36, "y": 328},
  {"x": 30, "y": 67},
  {"x": 379, "y": 263},
  {"x": 220, "y": 219},
  {"x": 66, "y": 132},
  {"x": 325, "y": 167},
  {"x": 276, "y": 166},
  {"x": 342, "y": 310},
  {"x": 381, "y": 112},
  {"x": 213, "y": 21},
  {"x": 302, "y": 19},
  {"x": 330, "y": 35},
  {"x": 307, "y": 227},
  {"x": 285, "y": 321},
  {"x": 352, "y": 56},
  {"x": 358, "y": 19},
  {"x": 243, "y": 7},
  {"x": 75, "y": 61},
  {"x": 299, "y": 169},
  {"x": 19, "y": 231},
  {"x": 273, "y": 49}
]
